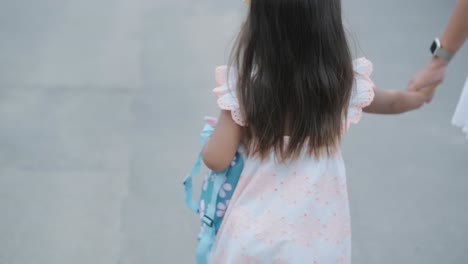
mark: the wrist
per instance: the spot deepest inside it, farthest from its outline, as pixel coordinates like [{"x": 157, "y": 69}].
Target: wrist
[{"x": 438, "y": 62}]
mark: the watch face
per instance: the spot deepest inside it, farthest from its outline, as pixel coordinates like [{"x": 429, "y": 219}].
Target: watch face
[{"x": 433, "y": 47}]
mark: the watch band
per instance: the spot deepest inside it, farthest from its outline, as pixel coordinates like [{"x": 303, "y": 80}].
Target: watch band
[
  {"x": 439, "y": 51},
  {"x": 444, "y": 54}
]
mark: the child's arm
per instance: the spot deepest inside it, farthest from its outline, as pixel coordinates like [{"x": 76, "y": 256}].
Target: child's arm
[
  {"x": 397, "y": 101},
  {"x": 220, "y": 149}
]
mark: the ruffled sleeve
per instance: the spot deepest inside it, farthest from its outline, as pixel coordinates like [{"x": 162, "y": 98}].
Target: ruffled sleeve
[
  {"x": 363, "y": 91},
  {"x": 226, "y": 93}
]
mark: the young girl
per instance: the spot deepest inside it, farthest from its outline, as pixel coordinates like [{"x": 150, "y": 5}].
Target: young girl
[{"x": 288, "y": 99}]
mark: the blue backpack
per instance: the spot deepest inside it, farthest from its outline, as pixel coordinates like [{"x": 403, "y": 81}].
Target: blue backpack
[{"x": 216, "y": 193}]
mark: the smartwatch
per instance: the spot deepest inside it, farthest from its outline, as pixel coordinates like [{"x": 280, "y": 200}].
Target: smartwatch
[{"x": 439, "y": 51}]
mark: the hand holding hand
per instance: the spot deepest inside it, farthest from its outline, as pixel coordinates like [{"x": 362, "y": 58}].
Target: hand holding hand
[{"x": 429, "y": 77}]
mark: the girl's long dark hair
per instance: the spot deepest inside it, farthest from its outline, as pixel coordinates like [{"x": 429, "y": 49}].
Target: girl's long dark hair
[{"x": 295, "y": 76}]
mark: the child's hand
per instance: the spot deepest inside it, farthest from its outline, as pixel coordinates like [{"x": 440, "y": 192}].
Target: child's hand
[
  {"x": 428, "y": 92},
  {"x": 416, "y": 99},
  {"x": 412, "y": 100}
]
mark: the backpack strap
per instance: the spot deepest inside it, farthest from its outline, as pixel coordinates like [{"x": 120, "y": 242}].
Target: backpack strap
[
  {"x": 188, "y": 186},
  {"x": 208, "y": 233},
  {"x": 188, "y": 182}
]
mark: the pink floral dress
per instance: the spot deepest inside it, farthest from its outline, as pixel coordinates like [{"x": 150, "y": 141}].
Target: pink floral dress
[{"x": 294, "y": 213}]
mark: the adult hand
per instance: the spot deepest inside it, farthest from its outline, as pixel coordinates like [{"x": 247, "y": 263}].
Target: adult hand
[{"x": 429, "y": 77}]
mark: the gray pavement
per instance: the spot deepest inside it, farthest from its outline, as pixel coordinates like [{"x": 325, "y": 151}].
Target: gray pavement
[{"x": 101, "y": 103}]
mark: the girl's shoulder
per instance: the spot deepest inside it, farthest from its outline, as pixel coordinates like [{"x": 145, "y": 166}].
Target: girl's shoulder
[
  {"x": 226, "y": 81},
  {"x": 363, "y": 66},
  {"x": 363, "y": 91}
]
